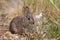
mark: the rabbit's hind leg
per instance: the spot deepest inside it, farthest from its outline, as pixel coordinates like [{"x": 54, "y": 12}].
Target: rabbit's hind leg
[{"x": 13, "y": 29}]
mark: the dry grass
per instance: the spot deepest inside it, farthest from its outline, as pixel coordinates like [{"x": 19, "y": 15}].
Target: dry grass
[{"x": 49, "y": 23}]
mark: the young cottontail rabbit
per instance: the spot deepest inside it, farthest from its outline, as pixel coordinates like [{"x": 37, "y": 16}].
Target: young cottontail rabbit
[{"x": 18, "y": 23}]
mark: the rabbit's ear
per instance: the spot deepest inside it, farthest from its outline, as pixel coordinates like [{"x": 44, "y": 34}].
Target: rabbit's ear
[{"x": 26, "y": 10}]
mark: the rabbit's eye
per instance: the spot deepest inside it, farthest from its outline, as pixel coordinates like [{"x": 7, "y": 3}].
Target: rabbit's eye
[{"x": 28, "y": 18}]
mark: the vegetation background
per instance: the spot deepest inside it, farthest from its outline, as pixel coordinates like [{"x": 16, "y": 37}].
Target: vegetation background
[{"x": 49, "y": 22}]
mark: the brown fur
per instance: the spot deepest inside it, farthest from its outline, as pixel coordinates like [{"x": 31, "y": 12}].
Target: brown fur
[{"x": 18, "y": 23}]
